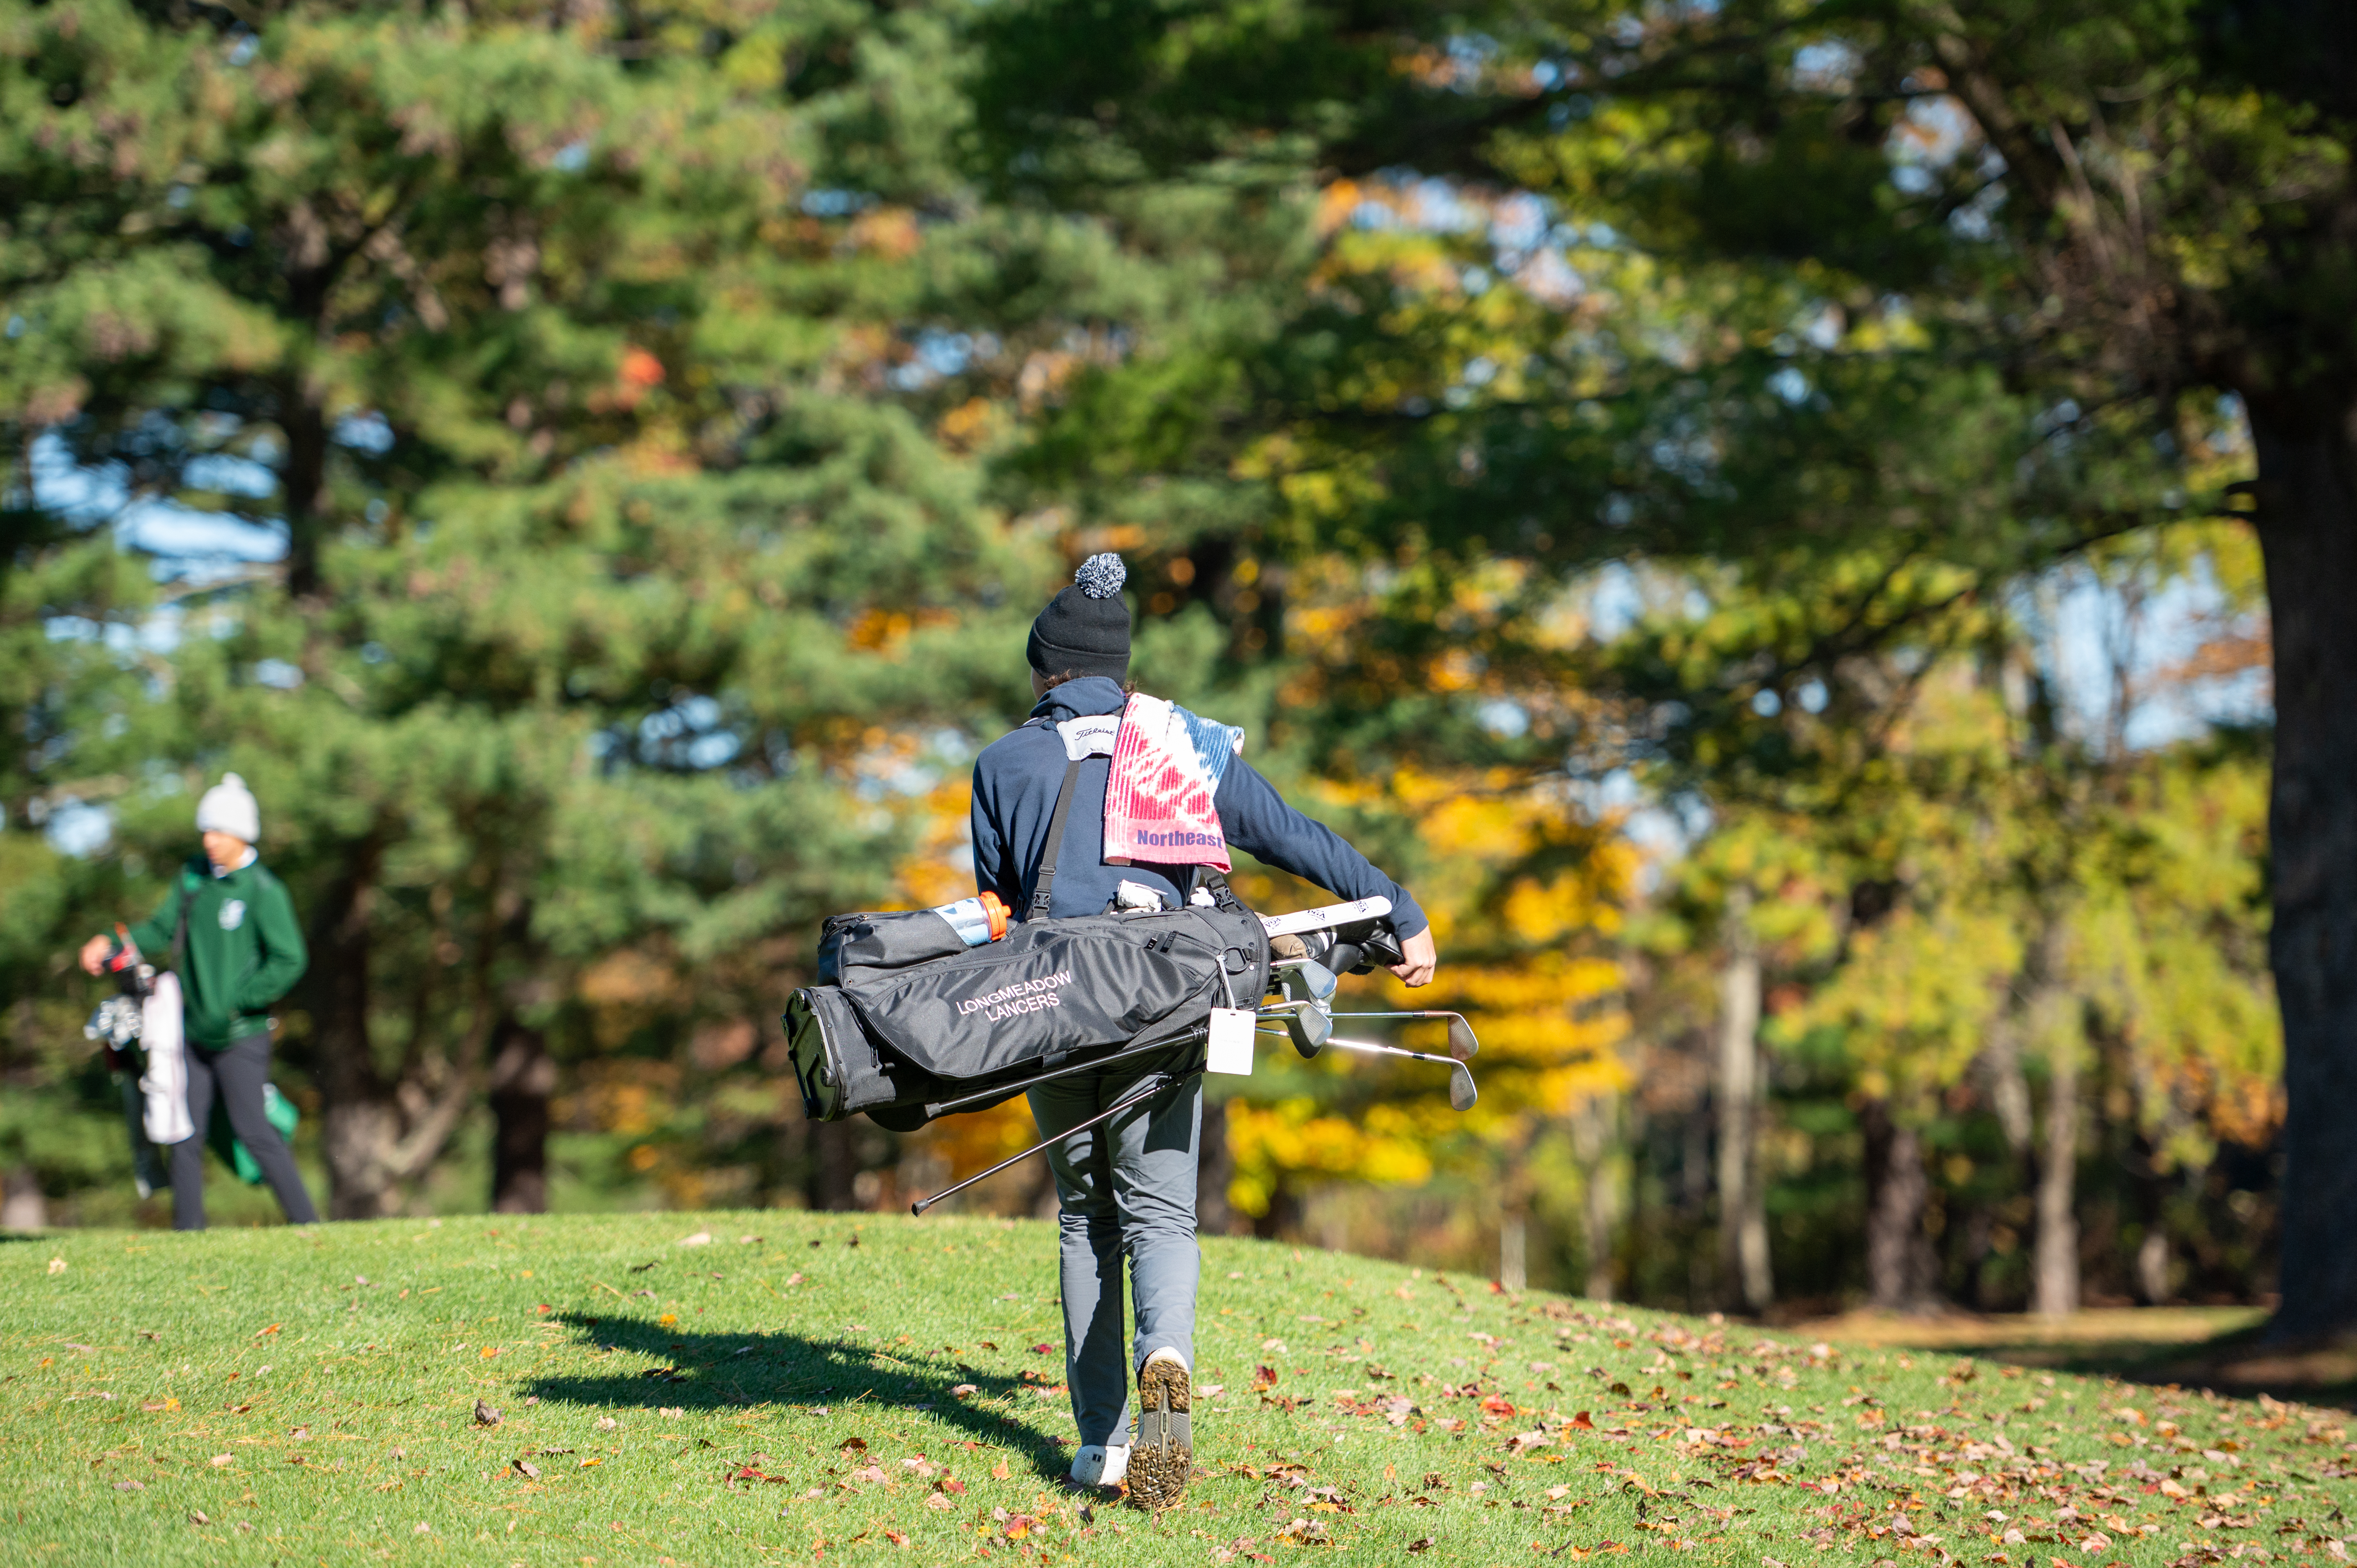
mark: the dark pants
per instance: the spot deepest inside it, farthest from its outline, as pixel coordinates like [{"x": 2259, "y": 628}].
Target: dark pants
[
  {"x": 1125, "y": 1187},
  {"x": 240, "y": 1071}
]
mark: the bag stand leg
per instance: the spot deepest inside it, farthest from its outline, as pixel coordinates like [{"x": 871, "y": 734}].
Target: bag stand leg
[{"x": 1150, "y": 1086}]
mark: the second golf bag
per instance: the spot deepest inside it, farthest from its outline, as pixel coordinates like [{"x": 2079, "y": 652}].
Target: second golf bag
[{"x": 908, "y": 1015}]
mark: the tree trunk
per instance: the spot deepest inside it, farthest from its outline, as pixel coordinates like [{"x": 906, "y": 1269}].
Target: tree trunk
[
  {"x": 1742, "y": 1202},
  {"x": 2050, "y": 1016},
  {"x": 2307, "y": 532},
  {"x": 524, "y": 1075},
  {"x": 833, "y": 1148},
  {"x": 25, "y": 1207},
  {"x": 1215, "y": 1167},
  {"x": 2057, "y": 1266},
  {"x": 1899, "y": 1260},
  {"x": 304, "y": 421},
  {"x": 1599, "y": 1199},
  {"x": 1513, "y": 1249},
  {"x": 2009, "y": 1088},
  {"x": 359, "y": 1124}
]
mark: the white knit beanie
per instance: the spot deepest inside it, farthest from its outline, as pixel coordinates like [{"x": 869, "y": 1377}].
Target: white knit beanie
[{"x": 229, "y": 807}]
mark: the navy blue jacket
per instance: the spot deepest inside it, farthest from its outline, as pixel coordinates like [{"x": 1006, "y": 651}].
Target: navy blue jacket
[{"x": 1015, "y": 784}]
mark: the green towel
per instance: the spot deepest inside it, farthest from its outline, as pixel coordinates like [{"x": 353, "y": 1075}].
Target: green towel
[{"x": 233, "y": 1152}]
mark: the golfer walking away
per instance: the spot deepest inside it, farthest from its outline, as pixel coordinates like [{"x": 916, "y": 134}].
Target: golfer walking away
[
  {"x": 1126, "y": 1188},
  {"x": 231, "y": 933}
]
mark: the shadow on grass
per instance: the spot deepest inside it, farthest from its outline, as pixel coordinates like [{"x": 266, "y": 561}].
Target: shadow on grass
[
  {"x": 745, "y": 1371},
  {"x": 2228, "y": 1352}
]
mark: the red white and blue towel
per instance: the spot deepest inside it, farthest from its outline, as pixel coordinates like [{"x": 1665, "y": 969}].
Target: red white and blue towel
[{"x": 1166, "y": 766}]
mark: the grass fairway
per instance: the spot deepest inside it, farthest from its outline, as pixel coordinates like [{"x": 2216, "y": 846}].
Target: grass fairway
[{"x": 798, "y": 1387}]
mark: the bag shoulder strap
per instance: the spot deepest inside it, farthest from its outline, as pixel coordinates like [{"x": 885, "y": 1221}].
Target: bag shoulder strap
[
  {"x": 1042, "y": 888},
  {"x": 180, "y": 927}
]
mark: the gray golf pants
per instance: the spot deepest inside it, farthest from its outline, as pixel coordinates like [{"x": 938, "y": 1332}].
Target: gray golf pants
[
  {"x": 238, "y": 1072},
  {"x": 1124, "y": 1187}
]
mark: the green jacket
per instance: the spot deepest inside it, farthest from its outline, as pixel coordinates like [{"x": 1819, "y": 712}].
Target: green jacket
[{"x": 245, "y": 949}]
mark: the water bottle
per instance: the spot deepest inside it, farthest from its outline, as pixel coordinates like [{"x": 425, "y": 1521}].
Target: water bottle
[{"x": 976, "y": 920}]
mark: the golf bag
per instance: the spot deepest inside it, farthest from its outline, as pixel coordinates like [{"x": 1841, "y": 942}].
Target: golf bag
[{"x": 909, "y": 1022}]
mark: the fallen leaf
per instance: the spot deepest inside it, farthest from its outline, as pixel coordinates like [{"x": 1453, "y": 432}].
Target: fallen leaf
[
  {"x": 162, "y": 1404},
  {"x": 672, "y": 1411},
  {"x": 1429, "y": 1541},
  {"x": 667, "y": 1319},
  {"x": 587, "y": 1464},
  {"x": 701, "y": 1238},
  {"x": 198, "y": 1516},
  {"x": 1582, "y": 1423},
  {"x": 895, "y": 1536},
  {"x": 964, "y": 1391},
  {"x": 1264, "y": 1380},
  {"x": 527, "y": 1469},
  {"x": 1041, "y": 1349},
  {"x": 937, "y": 1502},
  {"x": 1210, "y": 1390},
  {"x": 485, "y": 1415},
  {"x": 607, "y": 1424},
  {"x": 999, "y": 1472},
  {"x": 219, "y": 1460},
  {"x": 853, "y": 1446},
  {"x": 130, "y": 1486},
  {"x": 58, "y": 1265}
]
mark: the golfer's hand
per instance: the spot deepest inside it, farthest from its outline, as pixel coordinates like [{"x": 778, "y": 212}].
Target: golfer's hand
[
  {"x": 95, "y": 954},
  {"x": 1418, "y": 958}
]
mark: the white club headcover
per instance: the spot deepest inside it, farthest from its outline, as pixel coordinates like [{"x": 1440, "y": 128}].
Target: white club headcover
[{"x": 166, "y": 1083}]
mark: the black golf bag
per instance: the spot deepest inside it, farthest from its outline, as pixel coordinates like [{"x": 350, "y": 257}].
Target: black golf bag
[{"x": 909, "y": 1022}]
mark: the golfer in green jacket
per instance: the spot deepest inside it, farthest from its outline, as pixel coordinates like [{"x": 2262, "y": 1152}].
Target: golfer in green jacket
[{"x": 244, "y": 952}]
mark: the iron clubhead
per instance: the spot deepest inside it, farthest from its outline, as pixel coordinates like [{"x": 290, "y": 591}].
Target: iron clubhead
[
  {"x": 1461, "y": 1093},
  {"x": 1461, "y": 1043},
  {"x": 1309, "y": 1027},
  {"x": 1312, "y": 979}
]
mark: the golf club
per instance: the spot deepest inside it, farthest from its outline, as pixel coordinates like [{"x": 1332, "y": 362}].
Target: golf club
[
  {"x": 1314, "y": 977},
  {"x": 1462, "y": 1044},
  {"x": 1461, "y": 1091}
]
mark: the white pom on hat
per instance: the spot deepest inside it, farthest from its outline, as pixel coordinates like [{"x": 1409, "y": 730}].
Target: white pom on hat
[
  {"x": 1101, "y": 576},
  {"x": 229, "y": 807}
]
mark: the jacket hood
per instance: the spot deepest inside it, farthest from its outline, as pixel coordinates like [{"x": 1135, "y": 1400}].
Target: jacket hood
[{"x": 1081, "y": 699}]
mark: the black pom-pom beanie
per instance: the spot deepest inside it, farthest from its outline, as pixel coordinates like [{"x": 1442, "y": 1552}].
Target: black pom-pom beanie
[{"x": 1084, "y": 630}]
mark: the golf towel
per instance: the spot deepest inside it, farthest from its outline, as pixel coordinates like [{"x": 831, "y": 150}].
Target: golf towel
[{"x": 1167, "y": 765}]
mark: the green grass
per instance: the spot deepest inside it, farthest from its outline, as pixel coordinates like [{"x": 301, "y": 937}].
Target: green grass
[{"x": 248, "y": 1376}]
